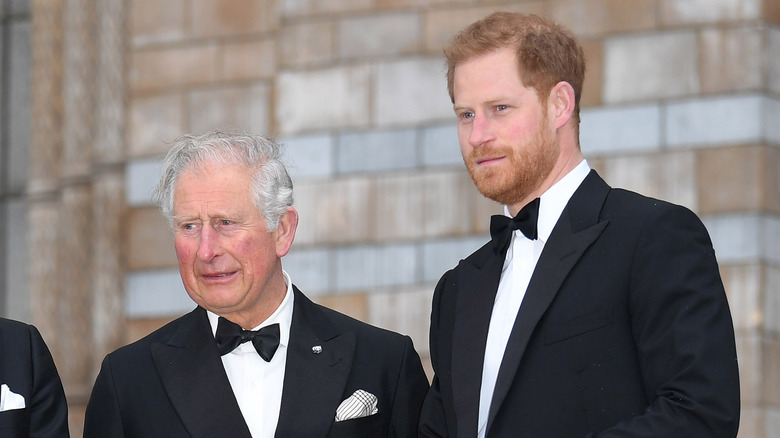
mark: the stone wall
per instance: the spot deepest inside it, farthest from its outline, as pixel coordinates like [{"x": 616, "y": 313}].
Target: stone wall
[{"x": 681, "y": 101}]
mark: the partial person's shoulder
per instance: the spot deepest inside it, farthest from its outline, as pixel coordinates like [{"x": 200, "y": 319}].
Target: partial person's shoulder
[
  {"x": 17, "y": 328},
  {"x": 629, "y": 203}
]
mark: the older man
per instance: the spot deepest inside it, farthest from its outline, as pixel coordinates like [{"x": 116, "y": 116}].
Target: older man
[{"x": 256, "y": 357}]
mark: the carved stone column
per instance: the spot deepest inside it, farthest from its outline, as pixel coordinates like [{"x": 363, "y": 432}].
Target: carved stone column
[
  {"x": 109, "y": 184},
  {"x": 45, "y": 150}
]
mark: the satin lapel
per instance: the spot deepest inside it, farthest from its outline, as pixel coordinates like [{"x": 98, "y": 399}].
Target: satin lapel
[
  {"x": 478, "y": 277},
  {"x": 192, "y": 374},
  {"x": 577, "y": 228},
  {"x": 314, "y": 383}
]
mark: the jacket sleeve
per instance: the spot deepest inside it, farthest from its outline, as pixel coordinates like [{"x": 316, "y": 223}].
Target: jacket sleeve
[
  {"x": 411, "y": 388},
  {"x": 683, "y": 332},
  {"x": 102, "y": 418},
  {"x": 48, "y": 405},
  {"x": 432, "y": 419}
]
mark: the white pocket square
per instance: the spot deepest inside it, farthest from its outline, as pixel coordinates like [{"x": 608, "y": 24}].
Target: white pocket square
[
  {"x": 360, "y": 404},
  {"x": 10, "y": 400}
]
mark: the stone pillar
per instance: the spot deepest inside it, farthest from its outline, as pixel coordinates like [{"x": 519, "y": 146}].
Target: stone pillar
[
  {"x": 108, "y": 194},
  {"x": 45, "y": 148}
]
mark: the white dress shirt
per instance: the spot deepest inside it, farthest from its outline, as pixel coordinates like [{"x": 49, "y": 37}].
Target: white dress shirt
[
  {"x": 519, "y": 265},
  {"x": 257, "y": 384}
]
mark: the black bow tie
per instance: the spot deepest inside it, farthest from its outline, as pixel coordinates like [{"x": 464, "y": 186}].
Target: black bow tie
[
  {"x": 230, "y": 335},
  {"x": 502, "y": 227}
]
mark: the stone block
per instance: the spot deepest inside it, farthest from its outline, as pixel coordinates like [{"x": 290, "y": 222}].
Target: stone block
[
  {"x": 249, "y": 60},
  {"x": 16, "y": 270},
  {"x": 323, "y": 99},
  {"x": 376, "y": 151},
  {"x": 771, "y": 13},
  {"x": 141, "y": 177},
  {"x": 441, "y": 24},
  {"x": 354, "y": 305},
  {"x": 599, "y": 17},
  {"x": 738, "y": 238},
  {"x": 771, "y": 305},
  {"x": 154, "y": 122},
  {"x": 771, "y": 116},
  {"x": 743, "y": 178},
  {"x": 681, "y": 12},
  {"x": 400, "y": 208},
  {"x": 593, "y": 86},
  {"x": 309, "y": 269},
  {"x": 714, "y": 121},
  {"x": 439, "y": 256},
  {"x": 338, "y": 211},
  {"x": 153, "y": 21},
  {"x": 749, "y": 357},
  {"x": 732, "y": 59},
  {"x": 773, "y": 59},
  {"x": 307, "y": 43},
  {"x": 302, "y": 8},
  {"x": 446, "y": 211},
  {"x": 310, "y": 156},
  {"x": 172, "y": 67},
  {"x": 668, "y": 176},
  {"x": 149, "y": 240},
  {"x": 405, "y": 310},
  {"x": 137, "y": 328},
  {"x": 610, "y": 130},
  {"x": 771, "y": 372},
  {"x": 17, "y": 95},
  {"x": 379, "y": 35},
  {"x": 370, "y": 267},
  {"x": 220, "y": 18},
  {"x": 745, "y": 289},
  {"x": 651, "y": 66},
  {"x": 155, "y": 294},
  {"x": 440, "y": 146},
  {"x": 232, "y": 108},
  {"x": 411, "y": 91}
]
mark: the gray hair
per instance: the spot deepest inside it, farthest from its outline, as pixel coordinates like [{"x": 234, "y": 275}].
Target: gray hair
[{"x": 271, "y": 188}]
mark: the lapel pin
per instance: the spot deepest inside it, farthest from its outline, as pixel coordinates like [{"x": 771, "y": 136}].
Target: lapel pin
[{"x": 317, "y": 349}]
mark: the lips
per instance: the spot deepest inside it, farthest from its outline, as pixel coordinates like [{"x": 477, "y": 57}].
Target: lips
[{"x": 218, "y": 275}]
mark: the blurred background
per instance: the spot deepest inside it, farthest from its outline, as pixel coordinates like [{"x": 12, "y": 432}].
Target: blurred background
[{"x": 681, "y": 102}]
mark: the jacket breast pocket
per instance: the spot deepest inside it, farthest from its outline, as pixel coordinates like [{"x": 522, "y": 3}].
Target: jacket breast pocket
[
  {"x": 15, "y": 423},
  {"x": 370, "y": 426},
  {"x": 578, "y": 325}
]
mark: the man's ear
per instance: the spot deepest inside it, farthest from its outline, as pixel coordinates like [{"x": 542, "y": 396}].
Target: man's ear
[
  {"x": 561, "y": 103},
  {"x": 285, "y": 232}
]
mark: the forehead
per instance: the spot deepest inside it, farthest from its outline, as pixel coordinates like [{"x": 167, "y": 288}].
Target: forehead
[{"x": 213, "y": 184}]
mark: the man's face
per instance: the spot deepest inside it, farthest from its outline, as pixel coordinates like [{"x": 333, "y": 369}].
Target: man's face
[
  {"x": 229, "y": 262},
  {"x": 507, "y": 142}
]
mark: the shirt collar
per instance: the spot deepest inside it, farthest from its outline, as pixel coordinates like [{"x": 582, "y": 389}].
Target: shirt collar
[
  {"x": 554, "y": 200},
  {"x": 282, "y": 315}
]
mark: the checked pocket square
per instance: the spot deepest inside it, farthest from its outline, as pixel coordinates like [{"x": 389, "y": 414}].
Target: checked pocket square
[
  {"x": 10, "y": 400},
  {"x": 360, "y": 404}
]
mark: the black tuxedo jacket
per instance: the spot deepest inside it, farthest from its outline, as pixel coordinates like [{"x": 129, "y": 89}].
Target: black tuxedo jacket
[
  {"x": 624, "y": 331},
  {"x": 27, "y": 368},
  {"x": 172, "y": 383}
]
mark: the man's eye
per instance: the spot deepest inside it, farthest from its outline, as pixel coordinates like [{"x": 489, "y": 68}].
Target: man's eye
[
  {"x": 466, "y": 115},
  {"x": 501, "y": 107},
  {"x": 226, "y": 222},
  {"x": 188, "y": 226}
]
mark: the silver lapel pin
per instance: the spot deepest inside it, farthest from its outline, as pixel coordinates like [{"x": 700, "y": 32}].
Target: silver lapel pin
[{"x": 317, "y": 349}]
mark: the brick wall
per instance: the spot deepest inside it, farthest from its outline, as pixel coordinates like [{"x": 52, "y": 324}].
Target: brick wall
[{"x": 681, "y": 102}]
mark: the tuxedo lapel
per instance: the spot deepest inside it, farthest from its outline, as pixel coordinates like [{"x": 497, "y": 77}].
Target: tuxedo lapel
[
  {"x": 577, "y": 228},
  {"x": 192, "y": 374},
  {"x": 478, "y": 277},
  {"x": 314, "y": 380}
]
